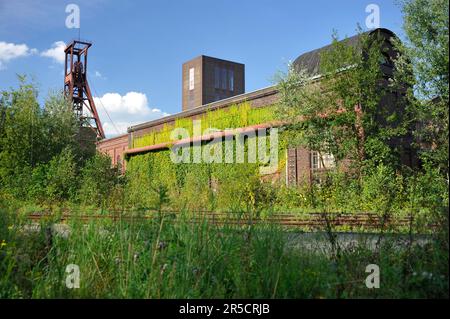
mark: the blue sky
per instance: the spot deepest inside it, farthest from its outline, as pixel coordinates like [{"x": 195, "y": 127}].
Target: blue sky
[{"x": 139, "y": 46}]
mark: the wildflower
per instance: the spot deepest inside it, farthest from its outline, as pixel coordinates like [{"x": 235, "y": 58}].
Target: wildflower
[
  {"x": 163, "y": 268},
  {"x": 162, "y": 245},
  {"x": 195, "y": 271},
  {"x": 10, "y": 227},
  {"x": 3, "y": 244},
  {"x": 135, "y": 257}
]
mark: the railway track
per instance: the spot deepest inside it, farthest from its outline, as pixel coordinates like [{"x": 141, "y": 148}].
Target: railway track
[{"x": 288, "y": 220}]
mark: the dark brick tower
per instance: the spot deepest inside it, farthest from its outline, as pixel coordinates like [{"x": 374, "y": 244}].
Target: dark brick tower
[{"x": 207, "y": 79}]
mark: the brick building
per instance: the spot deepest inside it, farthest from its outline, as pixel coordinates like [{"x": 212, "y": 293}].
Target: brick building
[
  {"x": 115, "y": 148},
  {"x": 210, "y": 84}
]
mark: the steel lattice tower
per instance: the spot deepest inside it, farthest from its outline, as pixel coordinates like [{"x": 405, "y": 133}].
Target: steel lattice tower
[{"x": 76, "y": 86}]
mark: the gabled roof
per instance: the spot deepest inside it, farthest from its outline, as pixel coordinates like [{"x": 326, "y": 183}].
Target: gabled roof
[{"x": 310, "y": 61}]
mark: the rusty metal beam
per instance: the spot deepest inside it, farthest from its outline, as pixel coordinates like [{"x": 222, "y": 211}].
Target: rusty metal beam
[{"x": 76, "y": 86}]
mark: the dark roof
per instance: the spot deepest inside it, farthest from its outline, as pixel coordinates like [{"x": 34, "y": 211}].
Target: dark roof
[{"x": 310, "y": 61}]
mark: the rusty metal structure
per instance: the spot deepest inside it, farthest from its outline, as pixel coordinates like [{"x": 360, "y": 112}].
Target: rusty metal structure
[
  {"x": 318, "y": 221},
  {"x": 76, "y": 86}
]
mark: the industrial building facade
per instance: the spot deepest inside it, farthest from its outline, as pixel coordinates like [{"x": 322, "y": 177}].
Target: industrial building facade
[{"x": 210, "y": 84}]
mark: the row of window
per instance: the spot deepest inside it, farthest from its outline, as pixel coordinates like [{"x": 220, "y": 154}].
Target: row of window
[
  {"x": 223, "y": 78},
  {"x": 319, "y": 161}
]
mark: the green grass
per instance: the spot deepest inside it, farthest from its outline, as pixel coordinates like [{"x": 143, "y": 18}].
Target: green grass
[{"x": 162, "y": 258}]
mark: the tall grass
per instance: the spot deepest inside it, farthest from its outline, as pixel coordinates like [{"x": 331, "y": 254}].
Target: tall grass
[{"x": 175, "y": 258}]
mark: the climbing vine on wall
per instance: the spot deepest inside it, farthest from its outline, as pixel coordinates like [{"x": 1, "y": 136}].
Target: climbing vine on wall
[
  {"x": 201, "y": 186},
  {"x": 240, "y": 115}
]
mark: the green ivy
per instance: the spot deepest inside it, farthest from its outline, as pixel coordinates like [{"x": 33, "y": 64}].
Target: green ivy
[
  {"x": 221, "y": 186},
  {"x": 240, "y": 115}
]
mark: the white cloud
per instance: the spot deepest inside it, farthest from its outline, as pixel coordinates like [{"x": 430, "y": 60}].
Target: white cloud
[
  {"x": 56, "y": 52},
  {"x": 98, "y": 75},
  {"x": 124, "y": 111},
  {"x": 11, "y": 51}
]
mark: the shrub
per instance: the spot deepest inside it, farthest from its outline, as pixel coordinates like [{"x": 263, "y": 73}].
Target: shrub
[
  {"x": 61, "y": 177},
  {"x": 98, "y": 181}
]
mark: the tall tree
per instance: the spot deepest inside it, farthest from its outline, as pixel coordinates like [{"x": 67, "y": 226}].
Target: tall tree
[
  {"x": 21, "y": 139},
  {"x": 426, "y": 46},
  {"x": 340, "y": 111},
  {"x": 31, "y": 135},
  {"x": 61, "y": 126}
]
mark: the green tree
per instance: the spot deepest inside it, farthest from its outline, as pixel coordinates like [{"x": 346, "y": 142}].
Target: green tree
[
  {"x": 61, "y": 176},
  {"x": 426, "y": 46},
  {"x": 31, "y": 136},
  {"x": 21, "y": 139},
  {"x": 60, "y": 126},
  {"x": 339, "y": 112},
  {"x": 98, "y": 180}
]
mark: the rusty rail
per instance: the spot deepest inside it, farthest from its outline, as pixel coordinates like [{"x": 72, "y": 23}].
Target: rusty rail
[{"x": 289, "y": 220}]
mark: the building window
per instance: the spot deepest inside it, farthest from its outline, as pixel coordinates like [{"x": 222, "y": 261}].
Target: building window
[
  {"x": 191, "y": 79},
  {"x": 322, "y": 161},
  {"x": 231, "y": 80},
  {"x": 329, "y": 161},
  {"x": 291, "y": 167},
  {"x": 217, "y": 77},
  {"x": 315, "y": 160},
  {"x": 223, "y": 79}
]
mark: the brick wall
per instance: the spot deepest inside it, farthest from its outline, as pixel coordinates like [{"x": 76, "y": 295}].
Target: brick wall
[{"x": 114, "y": 148}]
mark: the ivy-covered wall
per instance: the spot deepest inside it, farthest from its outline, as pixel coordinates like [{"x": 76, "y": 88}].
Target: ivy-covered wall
[
  {"x": 206, "y": 186},
  {"x": 202, "y": 186},
  {"x": 236, "y": 116}
]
